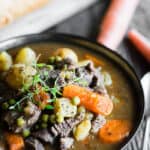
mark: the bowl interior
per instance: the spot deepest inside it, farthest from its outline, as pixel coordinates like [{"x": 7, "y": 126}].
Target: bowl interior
[{"x": 41, "y": 42}]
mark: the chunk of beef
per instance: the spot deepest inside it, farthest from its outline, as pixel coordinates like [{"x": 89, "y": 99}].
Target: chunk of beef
[
  {"x": 52, "y": 76},
  {"x": 33, "y": 144},
  {"x": 11, "y": 116},
  {"x": 44, "y": 136},
  {"x": 98, "y": 123},
  {"x": 90, "y": 67},
  {"x": 34, "y": 116},
  {"x": 60, "y": 81},
  {"x": 85, "y": 75},
  {"x": 66, "y": 143},
  {"x": 98, "y": 86},
  {"x": 65, "y": 62},
  {"x": 97, "y": 82},
  {"x": 64, "y": 129},
  {"x": 92, "y": 76}
]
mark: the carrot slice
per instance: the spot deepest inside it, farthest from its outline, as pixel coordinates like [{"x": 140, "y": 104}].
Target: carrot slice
[
  {"x": 15, "y": 142},
  {"x": 115, "y": 131},
  {"x": 97, "y": 103},
  {"x": 140, "y": 42},
  {"x": 116, "y": 21}
]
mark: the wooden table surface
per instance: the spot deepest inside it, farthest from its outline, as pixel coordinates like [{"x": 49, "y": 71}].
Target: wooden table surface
[{"x": 86, "y": 24}]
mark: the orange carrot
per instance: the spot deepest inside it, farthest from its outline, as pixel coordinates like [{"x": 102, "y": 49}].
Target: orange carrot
[
  {"x": 42, "y": 98},
  {"x": 140, "y": 42},
  {"x": 114, "y": 131},
  {"x": 116, "y": 21},
  {"x": 14, "y": 141},
  {"x": 97, "y": 103},
  {"x": 94, "y": 59}
]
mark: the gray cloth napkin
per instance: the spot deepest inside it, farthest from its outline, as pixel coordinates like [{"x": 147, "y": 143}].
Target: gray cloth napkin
[{"x": 136, "y": 143}]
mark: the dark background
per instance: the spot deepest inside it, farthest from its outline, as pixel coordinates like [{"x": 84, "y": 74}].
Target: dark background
[{"x": 87, "y": 22}]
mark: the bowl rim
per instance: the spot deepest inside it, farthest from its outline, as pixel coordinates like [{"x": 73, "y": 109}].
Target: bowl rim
[{"x": 41, "y": 37}]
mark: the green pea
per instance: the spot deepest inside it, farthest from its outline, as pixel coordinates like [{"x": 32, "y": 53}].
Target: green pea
[
  {"x": 58, "y": 58},
  {"x": 44, "y": 125},
  {"x": 26, "y": 133},
  {"x": 60, "y": 118},
  {"x": 89, "y": 116},
  {"x": 68, "y": 75},
  {"x": 52, "y": 118},
  {"x": 5, "y": 106},
  {"x": 45, "y": 118},
  {"x": 65, "y": 67},
  {"x": 52, "y": 59},
  {"x": 45, "y": 73},
  {"x": 63, "y": 74},
  {"x": 50, "y": 67},
  {"x": 20, "y": 122},
  {"x": 81, "y": 109},
  {"x": 12, "y": 101},
  {"x": 76, "y": 100},
  {"x": 27, "y": 110}
]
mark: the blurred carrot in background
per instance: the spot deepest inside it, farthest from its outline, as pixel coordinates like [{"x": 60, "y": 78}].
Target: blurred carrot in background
[
  {"x": 116, "y": 21},
  {"x": 140, "y": 42}
]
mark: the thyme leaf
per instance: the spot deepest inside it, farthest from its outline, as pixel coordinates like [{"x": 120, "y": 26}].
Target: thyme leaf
[
  {"x": 17, "y": 104},
  {"x": 41, "y": 65},
  {"x": 39, "y": 84},
  {"x": 49, "y": 107}
]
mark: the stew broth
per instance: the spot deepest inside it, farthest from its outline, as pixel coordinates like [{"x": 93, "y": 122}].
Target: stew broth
[{"x": 121, "y": 88}]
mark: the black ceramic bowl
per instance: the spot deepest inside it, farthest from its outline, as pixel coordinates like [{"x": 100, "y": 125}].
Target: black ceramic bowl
[{"x": 99, "y": 50}]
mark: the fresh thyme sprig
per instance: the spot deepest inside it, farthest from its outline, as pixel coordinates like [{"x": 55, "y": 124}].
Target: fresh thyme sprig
[
  {"x": 37, "y": 84},
  {"x": 28, "y": 96}
]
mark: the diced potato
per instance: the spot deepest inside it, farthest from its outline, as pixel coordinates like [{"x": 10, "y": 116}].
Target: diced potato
[
  {"x": 26, "y": 56},
  {"x": 5, "y": 61},
  {"x": 20, "y": 74},
  {"x": 81, "y": 109},
  {"x": 67, "y": 53},
  {"x": 64, "y": 107},
  {"x": 82, "y": 130}
]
